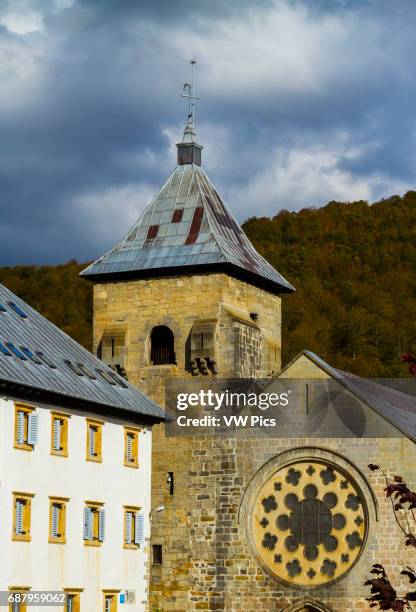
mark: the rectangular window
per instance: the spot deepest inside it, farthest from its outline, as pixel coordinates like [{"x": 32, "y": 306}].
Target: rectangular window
[
  {"x": 22, "y": 507},
  {"x": 133, "y": 527},
  {"x": 110, "y": 601},
  {"x": 94, "y": 523},
  {"x": 26, "y": 426},
  {"x": 17, "y": 593},
  {"x": 152, "y": 232},
  {"x": 72, "y": 600},
  {"x": 131, "y": 447},
  {"x": 94, "y": 440},
  {"x": 157, "y": 554},
  {"x": 57, "y": 520},
  {"x": 177, "y": 215},
  {"x": 59, "y": 434}
]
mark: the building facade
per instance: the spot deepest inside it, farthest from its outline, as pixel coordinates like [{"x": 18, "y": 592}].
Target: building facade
[
  {"x": 284, "y": 523},
  {"x": 75, "y": 470}
]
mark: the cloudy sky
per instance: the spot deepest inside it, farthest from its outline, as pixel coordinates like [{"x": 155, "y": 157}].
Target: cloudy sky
[{"x": 301, "y": 102}]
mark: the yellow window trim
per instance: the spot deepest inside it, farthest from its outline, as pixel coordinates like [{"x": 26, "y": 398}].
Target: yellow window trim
[
  {"x": 64, "y": 433},
  {"x": 98, "y": 424},
  {"x": 27, "y": 513},
  {"x": 19, "y": 589},
  {"x": 27, "y": 409},
  {"x": 77, "y": 599},
  {"x": 135, "y": 431},
  {"x": 132, "y": 545},
  {"x": 62, "y": 501},
  {"x": 73, "y": 590},
  {"x": 95, "y": 506},
  {"x": 113, "y": 593}
]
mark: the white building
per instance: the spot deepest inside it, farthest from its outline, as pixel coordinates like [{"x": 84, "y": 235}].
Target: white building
[{"x": 75, "y": 470}]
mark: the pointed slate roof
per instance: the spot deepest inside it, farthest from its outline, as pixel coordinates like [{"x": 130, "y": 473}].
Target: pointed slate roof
[
  {"x": 39, "y": 360},
  {"x": 398, "y": 408},
  {"x": 186, "y": 229}
]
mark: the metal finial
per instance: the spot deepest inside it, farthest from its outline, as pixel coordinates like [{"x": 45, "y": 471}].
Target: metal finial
[{"x": 190, "y": 89}]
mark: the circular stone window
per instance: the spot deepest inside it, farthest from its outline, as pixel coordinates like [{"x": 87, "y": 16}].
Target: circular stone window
[{"x": 309, "y": 523}]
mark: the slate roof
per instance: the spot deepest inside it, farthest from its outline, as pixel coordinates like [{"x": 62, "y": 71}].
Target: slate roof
[
  {"x": 30, "y": 334},
  {"x": 396, "y": 407},
  {"x": 186, "y": 229}
]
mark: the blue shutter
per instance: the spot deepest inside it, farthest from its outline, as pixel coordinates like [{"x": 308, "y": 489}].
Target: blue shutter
[
  {"x": 56, "y": 434},
  {"x": 19, "y": 517},
  {"x": 139, "y": 528},
  {"x": 91, "y": 441},
  {"x": 20, "y": 427},
  {"x": 101, "y": 525},
  {"x": 129, "y": 524},
  {"x": 55, "y": 518},
  {"x": 32, "y": 428},
  {"x": 87, "y": 523}
]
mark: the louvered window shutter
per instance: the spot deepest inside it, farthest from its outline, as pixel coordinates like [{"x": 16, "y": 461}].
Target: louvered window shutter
[
  {"x": 87, "y": 524},
  {"x": 129, "y": 524},
  {"x": 57, "y": 434},
  {"x": 101, "y": 525},
  {"x": 91, "y": 441},
  {"x": 19, "y": 517},
  {"x": 129, "y": 447},
  {"x": 32, "y": 428},
  {"x": 139, "y": 528},
  {"x": 20, "y": 427},
  {"x": 69, "y": 603},
  {"x": 55, "y": 519}
]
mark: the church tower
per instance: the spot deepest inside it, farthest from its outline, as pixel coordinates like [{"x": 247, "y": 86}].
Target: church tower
[{"x": 184, "y": 294}]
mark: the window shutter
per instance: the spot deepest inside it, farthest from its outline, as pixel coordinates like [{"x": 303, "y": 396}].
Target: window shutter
[
  {"x": 87, "y": 523},
  {"x": 91, "y": 441},
  {"x": 19, "y": 517},
  {"x": 55, "y": 518},
  {"x": 129, "y": 447},
  {"x": 139, "y": 528},
  {"x": 129, "y": 522},
  {"x": 32, "y": 428},
  {"x": 56, "y": 434},
  {"x": 20, "y": 427},
  {"x": 101, "y": 525}
]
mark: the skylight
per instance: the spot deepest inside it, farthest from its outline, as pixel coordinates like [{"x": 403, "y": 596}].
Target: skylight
[
  {"x": 18, "y": 310},
  {"x": 74, "y": 367},
  {"x": 2, "y": 308},
  {"x": 107, "y": 377},
  {"x": 17, "y": 352},
  {"x": 30, "y": 354},
  {"x": 46, "y": 359},
  {"x": 86, "y": 371},
  {"x": 4, "y": 350}
]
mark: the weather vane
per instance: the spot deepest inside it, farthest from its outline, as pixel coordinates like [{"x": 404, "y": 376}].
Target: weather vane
[{"x": 189, "y": 90}]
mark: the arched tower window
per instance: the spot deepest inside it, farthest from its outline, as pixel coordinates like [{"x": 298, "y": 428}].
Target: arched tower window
[{"x": 162, "y": 346}]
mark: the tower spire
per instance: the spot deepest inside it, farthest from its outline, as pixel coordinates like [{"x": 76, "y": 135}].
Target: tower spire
[{"x": 189, "y": 152}]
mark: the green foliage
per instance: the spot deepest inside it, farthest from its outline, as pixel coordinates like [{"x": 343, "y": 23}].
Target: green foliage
[
  {"x": 354, "y": 268},
  {"x": 58, "y": 293}
]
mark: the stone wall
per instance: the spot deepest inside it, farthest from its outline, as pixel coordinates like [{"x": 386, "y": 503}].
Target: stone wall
[{"x": 208, "y": 560}]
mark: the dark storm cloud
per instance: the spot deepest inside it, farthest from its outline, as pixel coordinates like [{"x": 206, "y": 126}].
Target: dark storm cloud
[{"x": 300, "y": 103}]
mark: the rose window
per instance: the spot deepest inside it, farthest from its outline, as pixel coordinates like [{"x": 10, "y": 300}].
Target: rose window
[{"x": 310, "y": 523}]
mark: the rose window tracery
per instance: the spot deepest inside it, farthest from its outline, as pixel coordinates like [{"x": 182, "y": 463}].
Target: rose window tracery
[{"x": 310, "y": 523}]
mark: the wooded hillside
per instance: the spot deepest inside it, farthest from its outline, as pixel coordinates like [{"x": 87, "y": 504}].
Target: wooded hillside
[{"x": 353, "y": 265}]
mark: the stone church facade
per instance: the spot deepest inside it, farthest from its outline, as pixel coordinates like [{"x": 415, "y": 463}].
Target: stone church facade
[{"x": 285, "y": 523}]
